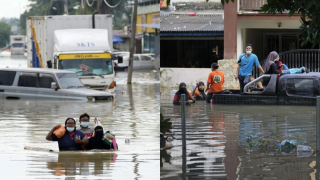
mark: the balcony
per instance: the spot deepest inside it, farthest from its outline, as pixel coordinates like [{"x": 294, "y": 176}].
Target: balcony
[{"x": 251, "y": 5}]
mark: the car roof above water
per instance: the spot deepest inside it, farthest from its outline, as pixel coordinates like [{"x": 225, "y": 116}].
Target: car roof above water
[{"x": 36, "y": 70}]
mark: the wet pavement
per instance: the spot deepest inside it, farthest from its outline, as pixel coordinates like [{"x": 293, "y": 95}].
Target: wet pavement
[
  {"x": 239, "y": 142},
  {"x": 133, "y": 115}
]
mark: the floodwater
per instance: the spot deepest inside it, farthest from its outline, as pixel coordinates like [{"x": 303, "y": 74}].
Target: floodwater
[
  {"x": 239, "y": 142},
  {"x": 133, "y": 115}
]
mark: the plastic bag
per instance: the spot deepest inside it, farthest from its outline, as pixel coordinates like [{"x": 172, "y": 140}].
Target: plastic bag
[{"x": 60, "y": 131}]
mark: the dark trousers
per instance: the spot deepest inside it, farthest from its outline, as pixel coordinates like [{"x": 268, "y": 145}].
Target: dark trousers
[
  {"x": 241, "y": 79},
  {"x": 209, "y": 96}
]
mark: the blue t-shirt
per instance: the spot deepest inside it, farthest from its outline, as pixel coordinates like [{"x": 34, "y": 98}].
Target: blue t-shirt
[
  {"x": 247, "y": 63},
  {"x": 66, "y": 143}
]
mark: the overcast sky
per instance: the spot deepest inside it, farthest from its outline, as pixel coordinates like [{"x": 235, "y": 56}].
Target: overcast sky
[{"x": 10, "y": 8}]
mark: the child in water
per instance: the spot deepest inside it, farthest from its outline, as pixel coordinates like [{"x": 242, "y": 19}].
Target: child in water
[{"x": 198, "y": 91}]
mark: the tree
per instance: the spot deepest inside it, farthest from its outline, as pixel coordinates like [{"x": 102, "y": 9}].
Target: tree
[
  {"x": 310, "y": 16},
  {"x": 4, "y": 33}
]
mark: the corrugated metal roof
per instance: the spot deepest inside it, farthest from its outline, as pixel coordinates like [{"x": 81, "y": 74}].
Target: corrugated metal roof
[{"x": 185, "y": 22}]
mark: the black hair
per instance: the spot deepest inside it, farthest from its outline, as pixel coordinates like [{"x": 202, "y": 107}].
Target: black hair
[
  {"x": 249, "y": 45},
  {"x": 84, "y": 115},
  {"x": 65, "y": 123}
]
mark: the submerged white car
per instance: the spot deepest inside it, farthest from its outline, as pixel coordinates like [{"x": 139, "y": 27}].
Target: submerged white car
[{"x": 49, "y": 84}]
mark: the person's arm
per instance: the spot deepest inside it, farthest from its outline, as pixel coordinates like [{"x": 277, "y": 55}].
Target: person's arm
[
  {"x": 260, "y": 85},
  {"x": 208, "y": 86},
  {"x": 194, "y": 90},
  {"x": 49, "y": 135},
  {"x": 176, "y": 100},
  {"x": 192, "y": 100},
  {"x": 238, "y": 68},
  {"x": 274, "y": 70},
  {"x": 83, "y": 142},
  {"x": 261, "y": 70},
  {"x": 110, "y": 136}
]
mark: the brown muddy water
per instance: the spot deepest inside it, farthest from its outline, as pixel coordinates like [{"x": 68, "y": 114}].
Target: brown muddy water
[
  {"x": 133, "y": 115},
  {"x": 231, "y": 142}
]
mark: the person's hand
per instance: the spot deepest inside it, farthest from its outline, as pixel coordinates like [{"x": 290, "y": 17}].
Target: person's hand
[
  {"x": 85, "y": 138},
  {"x": 77, "y": 140},
  {"x": 57, "y": 126},
  {"x": 109, "y": 136},
  {"x": 190, "y": 101},
  {"x": 95, "y": 120},
  {"x": 236, "y": 77},
  {"x": 197, "y": 83}
]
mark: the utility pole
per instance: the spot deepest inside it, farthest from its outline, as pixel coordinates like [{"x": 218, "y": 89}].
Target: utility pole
[
  {"x": 66, "y": 7},
  {"x": 133, "y": 40}
]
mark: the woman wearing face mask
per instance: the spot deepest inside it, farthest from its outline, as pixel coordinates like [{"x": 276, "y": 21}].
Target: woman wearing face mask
[
  {"x": 84, "y": 125},
  {"x": 183, "y": 90},
  {"x": 96, "y": 141},
  {"x": 71, "y": 140}
]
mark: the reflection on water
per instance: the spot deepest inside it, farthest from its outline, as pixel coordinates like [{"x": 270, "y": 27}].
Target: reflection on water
[
  {"x": 218, "y": 146},
  {"x": 133, "y": 115}
]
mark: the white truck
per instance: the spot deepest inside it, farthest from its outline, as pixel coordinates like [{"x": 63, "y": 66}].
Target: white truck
[
  {"x": 70, "y": 43},
  {"x": 17, "y": 44}
]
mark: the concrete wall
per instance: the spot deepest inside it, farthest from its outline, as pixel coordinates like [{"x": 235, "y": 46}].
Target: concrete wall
[{"x": 171, "y": 77}]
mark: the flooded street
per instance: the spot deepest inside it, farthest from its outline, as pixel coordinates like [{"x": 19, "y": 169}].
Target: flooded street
[
  {"x": 133, "y": 115},
  {"x": 240, "y": 142}
]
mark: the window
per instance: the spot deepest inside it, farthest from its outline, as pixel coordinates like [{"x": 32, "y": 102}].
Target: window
[
  {"x": 146, "y": 58},
  {"x": 69, "y": 80},
  {"x": 28, "y": 80},
  {"x": 7, "y": 77},
  {"x": 302, "y": 87},
  {"x": 17, "y": 45},
  {"x": 45, "y": 80},
  {"x": 135, "y": 58}
]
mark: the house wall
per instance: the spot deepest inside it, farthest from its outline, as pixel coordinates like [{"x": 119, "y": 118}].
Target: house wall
[{"x": 245, "y": 35}]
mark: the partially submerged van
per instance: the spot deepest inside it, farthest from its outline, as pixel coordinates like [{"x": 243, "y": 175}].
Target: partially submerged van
[{"x": 50, "y": 84}]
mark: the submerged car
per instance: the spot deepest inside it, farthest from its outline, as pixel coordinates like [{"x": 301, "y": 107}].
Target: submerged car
[{"x": 49, "y": 84}]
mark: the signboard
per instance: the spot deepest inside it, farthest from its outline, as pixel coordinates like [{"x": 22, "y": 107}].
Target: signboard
[{"x": 84, "y": 56}]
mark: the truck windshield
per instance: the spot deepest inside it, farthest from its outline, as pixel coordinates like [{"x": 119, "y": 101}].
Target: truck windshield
[
  {"x": 69, "y": 80},
  {"x": 87, "y": 67},
  {"x": 17, "y": 45}
]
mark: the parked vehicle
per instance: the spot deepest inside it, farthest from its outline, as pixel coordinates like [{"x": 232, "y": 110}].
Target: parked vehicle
[
  {"x": 71, "y": 44},
  {"x": 141, "y": 61},
  {"x": 292, "y": 89},
  {"x": 49, "y": 84},
  {"x": 17, "y": 44}
]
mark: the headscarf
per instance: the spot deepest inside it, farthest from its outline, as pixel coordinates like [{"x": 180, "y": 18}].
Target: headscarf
[
  {"x": 269, "y": 61},
  {"x": 182, "y": 91},
  {"x": 202, "y": 91},
  {"x": 96, "y": 141}
]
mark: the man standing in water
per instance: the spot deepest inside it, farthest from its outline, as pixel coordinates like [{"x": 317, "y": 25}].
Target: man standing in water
[
  {"x": 84, "y": 125},
  {"x": 215, "y": 82},
  {"x": 245, "y": 64},
  {"x": 72, "y": 140}
]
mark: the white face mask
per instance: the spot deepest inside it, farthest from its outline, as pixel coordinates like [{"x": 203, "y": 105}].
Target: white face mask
[{"x": 248, "y": 52}]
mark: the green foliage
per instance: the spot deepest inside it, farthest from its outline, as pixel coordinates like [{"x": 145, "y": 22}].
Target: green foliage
[
  {"x": 4, "y": 33},
  {"x": 309, "y": 15},
  {"x": 165, "y": 125}
]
